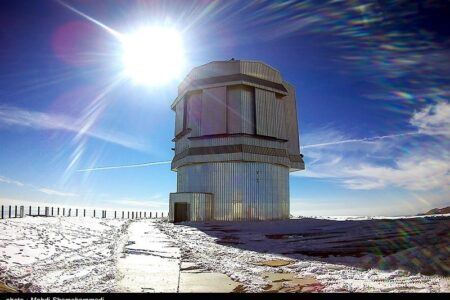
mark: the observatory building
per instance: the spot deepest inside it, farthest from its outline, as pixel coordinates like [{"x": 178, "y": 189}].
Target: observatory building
[{"x": 236, "y": 140}]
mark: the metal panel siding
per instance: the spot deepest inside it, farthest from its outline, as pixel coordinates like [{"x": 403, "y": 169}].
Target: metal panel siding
[
  {"x": 293, "y": 145},
  {"x": 214, "y": 69},
  {"x": 224, "y": 68},
  {"x": 179, "y": 119},
  {"x": 233, "y": 157},
  {"x": 231, "y": 140},
  {"x": 234, "y": 109},
  {"x": 270, "y": 115},
  {"x": 194, "y": 111},
  {"x": 265, "y": 105},
  {"x": 214, "y": 111},
  {"x": 279, "y": 117},
  {"x": 248, "y": 110},
  {"x": 260, "y": 70},
  {"x": 200, "y": 205},
  {"x": 181, "y": 145},
  {"x": 242, "y": 191},
  {"x": 241, "y": 109}
]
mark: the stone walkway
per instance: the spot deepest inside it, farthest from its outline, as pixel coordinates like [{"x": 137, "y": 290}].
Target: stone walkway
[{"x": 152, "y": 263}]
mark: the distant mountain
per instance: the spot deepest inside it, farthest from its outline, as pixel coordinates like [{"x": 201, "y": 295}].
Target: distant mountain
[{"x": 437, "y": 211}]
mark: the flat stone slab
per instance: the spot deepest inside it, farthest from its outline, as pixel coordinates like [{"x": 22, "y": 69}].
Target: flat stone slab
[
  {"x": 288, "y": 283},
  {"x": 275, "y": 263},
  {"x": 150, "y": 263},
  {"x": 206, "y": 283}
]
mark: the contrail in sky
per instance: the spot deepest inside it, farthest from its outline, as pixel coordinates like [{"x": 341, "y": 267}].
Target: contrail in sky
[
  {"x": 116, "y": 34},
  {"x": 126, "y": 166},
  {"x": 303, "y": 147},
  {"x": 369, "y": 139}
]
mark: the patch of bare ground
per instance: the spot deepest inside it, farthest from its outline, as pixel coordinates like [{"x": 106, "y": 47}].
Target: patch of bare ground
[{"x": 288, "y": 283}]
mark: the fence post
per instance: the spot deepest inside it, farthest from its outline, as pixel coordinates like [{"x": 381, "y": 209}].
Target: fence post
[
  {"x": 64, "y": 211},
  {"x": 150, "y": 215},
  {"x": 123, "y": 214},
  {"x": 29, "y": 211},
  {"x": 22, "y": 211},
  {"x": 162, "y": 215},
  {"x": 52, "y": 211},
  {"x": 84, "y": 212},
  {"x": 3, "y": 216},
  {"x": 76, "y": 212},
  {"x": 145, "y": 215},
  {"x": 70, "y": 211},
  {"x": 140, "y": 214},
  {"x": 10, "y": 211},
  {"x": 132, "y": 214},
  {"x": 46, "y": 211},
  {"x": 39, "y": 210},
  {"x": 15, "y": 211},
  {"x": 128, "y": 215},
  {"x": 94, "y": 213},
  {"x": 58, "y": 211},
  {"x": 115, "y": 214}
]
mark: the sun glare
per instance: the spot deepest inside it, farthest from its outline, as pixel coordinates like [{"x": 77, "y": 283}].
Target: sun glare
[{"x": 153, "y": 55}]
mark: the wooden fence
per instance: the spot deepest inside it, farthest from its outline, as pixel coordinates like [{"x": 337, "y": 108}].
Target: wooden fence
[{"x": 50, "y": 211}]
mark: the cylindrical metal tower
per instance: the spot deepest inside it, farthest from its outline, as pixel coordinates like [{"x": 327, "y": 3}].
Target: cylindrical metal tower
[{"x": 236, "y": 140}]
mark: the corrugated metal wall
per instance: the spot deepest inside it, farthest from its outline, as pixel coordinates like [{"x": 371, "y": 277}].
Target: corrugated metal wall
[
  {"x": 234, "y": 109},
  {"x": 270, "y": 118},
  {"x": 290, "y": 109},
  {"x": 194, "y": 113},
  {"x": 248, "y": 110},
  {"x": 214, "y": 111},
  {"x": 244, "y": 157},
  {"x": 182, "y": 144},
  {"x": 231, "y": 140},
  {"x": 241, "y": 109},
  {"x": 242, "y": 190},
  {"x": 200, "y": 205},
  {"x": 179, "y": 119},
  {"x": 257, "y": 69}
]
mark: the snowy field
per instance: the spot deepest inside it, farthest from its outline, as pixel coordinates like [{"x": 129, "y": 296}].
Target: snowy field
[
  {"x": 61, "y": 254},
  {"x": 71, "y": 254},
  {"x": 384, "y": 255}
]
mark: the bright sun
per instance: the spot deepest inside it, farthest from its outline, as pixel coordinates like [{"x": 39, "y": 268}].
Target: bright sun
[{"x": 153, "y": 55}]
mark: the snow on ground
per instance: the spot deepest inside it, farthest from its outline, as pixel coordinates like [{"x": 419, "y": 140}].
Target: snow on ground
[
  {"x": 61, "y": 254},
  {"x": 76, "y": 254},
  {"x": 361, "y": 218},
  {"x": 354, "y": 256}
]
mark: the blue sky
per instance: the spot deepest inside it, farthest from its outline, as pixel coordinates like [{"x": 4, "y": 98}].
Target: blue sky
[{"x": 372, "y": 86}]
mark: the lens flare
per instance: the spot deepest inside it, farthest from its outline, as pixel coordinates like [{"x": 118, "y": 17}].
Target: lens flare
[{"x": 153, "y": 55}]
